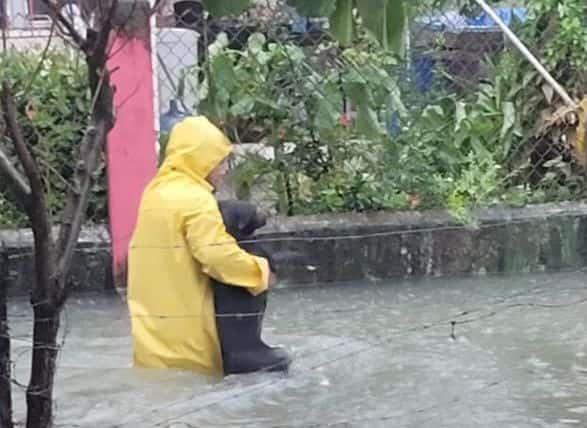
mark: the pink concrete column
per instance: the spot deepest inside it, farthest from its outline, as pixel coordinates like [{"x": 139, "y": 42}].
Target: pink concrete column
[{"x": 131, "y": 148}]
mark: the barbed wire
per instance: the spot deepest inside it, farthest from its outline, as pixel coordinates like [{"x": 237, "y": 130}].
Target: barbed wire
[
  {"x": 32, "y": 346},
  {"x": 457, "y": 319},
  {"x": 447, "y": 322},
  {"x": 273, "y": 382},
  {"x": 372, "y": 419},
  {"x": 499, "y": 300},
  {"x": 407, "y": 229}
]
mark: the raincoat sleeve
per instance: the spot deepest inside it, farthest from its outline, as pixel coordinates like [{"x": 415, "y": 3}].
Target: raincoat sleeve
[{"x": 220, "y": 255}]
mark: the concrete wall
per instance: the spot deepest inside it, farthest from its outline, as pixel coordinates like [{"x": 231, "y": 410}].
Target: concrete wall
[
  {"x": 374, "y": 246},
  {"x": 92, "y": 266},
  {"x": 31, "y": 39},
  {"x": 379, "y": 246}
]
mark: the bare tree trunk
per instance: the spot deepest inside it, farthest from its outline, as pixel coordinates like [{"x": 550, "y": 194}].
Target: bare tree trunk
[
  {"x": 45, "y": 350},
  {"x": 47, "y": 304},
  {"x": 45, "y": 296},
  {"x": 53, "y": 258},
  {"x": 5, "y": 372}
]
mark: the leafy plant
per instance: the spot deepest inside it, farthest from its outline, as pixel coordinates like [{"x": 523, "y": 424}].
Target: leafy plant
[
  {"x": 53, "y": 105},
  {"x": 460, "y": 151},
  {"x": 294, "y": 100},
  {"x": 384, "y": 19}
]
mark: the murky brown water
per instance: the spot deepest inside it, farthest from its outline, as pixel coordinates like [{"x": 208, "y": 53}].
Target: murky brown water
[{"x": 366, "y": 356}]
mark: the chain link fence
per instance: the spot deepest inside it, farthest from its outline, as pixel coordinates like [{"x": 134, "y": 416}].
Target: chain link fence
[
  {"x": 26, "y": 25},
  {"x": 459, "y": 120},
  {"x": 456, "y": 120}
]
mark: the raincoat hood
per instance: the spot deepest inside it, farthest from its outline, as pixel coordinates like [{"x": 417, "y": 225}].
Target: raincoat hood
[{"x": 195, "y": 148}]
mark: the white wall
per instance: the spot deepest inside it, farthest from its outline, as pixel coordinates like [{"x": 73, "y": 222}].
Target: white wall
[{"x": 177, "y": 48}]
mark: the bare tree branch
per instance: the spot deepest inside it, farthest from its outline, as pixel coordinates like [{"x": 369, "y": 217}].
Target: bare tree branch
[
  {"x": 53, "y": 260},
  {"x": 19, "y": 182},
  {"x": 91, "y": 147},
  {"x": 105, "y": 29},
  {"x": 63, "y": 22},
  {"x": 38, "y": 209},
  {"x": 5, "y": 369},
  {"x": 156, "y": 6},
  {"x": 15, "y": 133},
  {"x": 4, "y": 25},
  {"x": 78, "y": 196},
  {"x": 41, "y": 60}
]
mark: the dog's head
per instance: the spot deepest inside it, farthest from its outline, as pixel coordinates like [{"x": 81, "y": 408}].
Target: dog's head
[{"x": 241, "y": 218}]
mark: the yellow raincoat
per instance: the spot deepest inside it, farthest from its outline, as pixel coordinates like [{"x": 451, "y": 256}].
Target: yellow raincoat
[{"x": 178, "y": 243}]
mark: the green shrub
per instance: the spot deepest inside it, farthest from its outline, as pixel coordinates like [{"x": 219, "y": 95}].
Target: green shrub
[
  {"x": 53, "y": 106},
  {"x": 458, "y": 151}
]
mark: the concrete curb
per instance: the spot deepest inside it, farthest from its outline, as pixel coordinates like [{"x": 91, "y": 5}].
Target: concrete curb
[{"x": 370, "y": 246}]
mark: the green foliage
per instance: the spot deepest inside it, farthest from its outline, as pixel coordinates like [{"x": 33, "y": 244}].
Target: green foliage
[
  {"x": 557, "y": 28},
  {"x": 294, "y": 99},
  {"x": 342, "y": 23},
  {"x": 385, "y": 19},
  {"x": 10, "y": 216},
  {"x": 460, "y": 151},
  {"x": 53, "y": 105}
]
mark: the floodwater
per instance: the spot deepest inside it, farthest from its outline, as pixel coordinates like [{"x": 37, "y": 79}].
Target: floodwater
[{"x": 366, "y": 355}]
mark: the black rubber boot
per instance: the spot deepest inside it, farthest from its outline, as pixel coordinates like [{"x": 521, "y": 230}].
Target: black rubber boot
[
  {"x": 238, "y": 320},
  {"x": 269, "y": 360}
]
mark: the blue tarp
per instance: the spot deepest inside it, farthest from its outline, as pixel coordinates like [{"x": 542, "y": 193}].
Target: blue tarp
[
  {"x": 507, "y": 15},
  {"x": 453, "y": 21},
  {"x": 422, "y": 66}
]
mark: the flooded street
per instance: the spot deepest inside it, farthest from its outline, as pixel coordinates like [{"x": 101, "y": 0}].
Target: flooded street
[{"x": 476, "y": 352}]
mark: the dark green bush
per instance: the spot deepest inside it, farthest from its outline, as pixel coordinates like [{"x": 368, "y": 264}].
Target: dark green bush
[{"x": 53, "y": 106}]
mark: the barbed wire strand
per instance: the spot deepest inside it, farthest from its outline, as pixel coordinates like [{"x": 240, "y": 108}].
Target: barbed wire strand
[
  {"x": 426, "y": 326},
  {"x": 366, "y": 348},
  {"x": 362, "y": 236},
  {"x": 295, "y": 239},
  {"x": 500, "y": 299},
  {"x": 340, "y": 236},
  {"x": 446, "y": 322}
]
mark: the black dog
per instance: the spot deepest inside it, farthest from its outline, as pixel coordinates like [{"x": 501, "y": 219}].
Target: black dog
[{"x": 239, "y": 314}]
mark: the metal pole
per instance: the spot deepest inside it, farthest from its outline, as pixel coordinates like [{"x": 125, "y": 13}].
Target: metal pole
[{"x": 520, "y": 46}]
